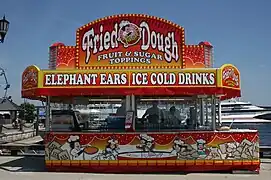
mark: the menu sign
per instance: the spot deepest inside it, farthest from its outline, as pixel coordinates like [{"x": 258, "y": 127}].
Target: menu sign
[
  {"x": 130, "y": 78},
  {"x": 130, "y": 40}
]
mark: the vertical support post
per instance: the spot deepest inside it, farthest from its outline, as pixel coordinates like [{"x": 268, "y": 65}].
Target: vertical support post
[
  {"x": 48, "y": 114},
  {"x": 219, "y": 110},
  {"x": 133, "y": 103},
  {"x": 128, "y": 103},
  {"x": 37, "y": 121},
  {"x": 201, "y": 112},
  {"x": 38, "y": 113},
  {"x": 128, "y": 124},
  {"x": 133, "y": 107},
  {"x": 206, "y": 110},
  {"x": 195, "y": 123},
  {"x": 213, "y": 105}
]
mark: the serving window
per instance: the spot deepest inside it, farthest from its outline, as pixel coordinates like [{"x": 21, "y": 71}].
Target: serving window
[
  {"x": 161, "y": 114},
  {"x": 172, "y": 113},
  {"x": 150, "y": 114},
  {"x": 101, "y": 115}
]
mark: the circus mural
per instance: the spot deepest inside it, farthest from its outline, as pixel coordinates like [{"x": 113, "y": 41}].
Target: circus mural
[{"x": 182, "y": 146}]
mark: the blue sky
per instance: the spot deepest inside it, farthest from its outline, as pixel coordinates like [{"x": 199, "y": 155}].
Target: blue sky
[{"x": 239, "y": 31}]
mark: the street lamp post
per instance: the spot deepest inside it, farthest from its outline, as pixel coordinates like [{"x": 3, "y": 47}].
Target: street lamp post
[
  {"x": 4, "y": 24},
  {"x": 3, "y": 31}
]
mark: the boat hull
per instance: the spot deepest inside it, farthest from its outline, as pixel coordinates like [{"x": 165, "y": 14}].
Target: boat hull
[{"x": 245, "y": 120}]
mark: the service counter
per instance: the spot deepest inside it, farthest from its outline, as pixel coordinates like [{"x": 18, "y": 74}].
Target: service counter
[{"x": 184, "y": 151}]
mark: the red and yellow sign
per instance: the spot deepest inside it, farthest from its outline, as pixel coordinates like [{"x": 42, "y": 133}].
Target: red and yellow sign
[
  {"x": 130, "y": 78},
  {"x": 230, "y": 76},
  {"x": 129, "y": 40},
  {"x": 30, "y": 77},
  {"x": 223, "y": 81}
]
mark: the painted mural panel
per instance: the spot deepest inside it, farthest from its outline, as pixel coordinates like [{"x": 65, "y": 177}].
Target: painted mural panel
[{"x": 182, "y": 146}]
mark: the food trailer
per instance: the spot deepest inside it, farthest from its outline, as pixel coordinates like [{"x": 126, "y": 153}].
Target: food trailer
[{"x": 169, "y": 95}]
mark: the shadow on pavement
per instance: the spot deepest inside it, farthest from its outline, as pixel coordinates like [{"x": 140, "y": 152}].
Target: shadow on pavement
[{"x": 24, "y": 164}]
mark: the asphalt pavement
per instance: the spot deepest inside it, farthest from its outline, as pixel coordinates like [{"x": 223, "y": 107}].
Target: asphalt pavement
[{"x": 28, "y": 168}]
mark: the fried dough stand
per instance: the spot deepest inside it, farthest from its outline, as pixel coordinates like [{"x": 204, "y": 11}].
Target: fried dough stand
[{"x": 138, "y": 58}]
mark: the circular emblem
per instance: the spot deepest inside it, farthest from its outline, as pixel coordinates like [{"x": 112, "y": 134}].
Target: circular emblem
[
  {"x": 129, "y": 33},
  {"x": 230, "y": 77}
]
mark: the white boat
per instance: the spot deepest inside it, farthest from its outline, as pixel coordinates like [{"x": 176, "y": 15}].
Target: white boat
[{"x": 233, "y": 111}]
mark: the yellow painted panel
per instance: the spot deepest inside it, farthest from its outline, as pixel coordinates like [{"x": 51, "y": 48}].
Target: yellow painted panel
[
  {"x": 170, "y": 162},
  {"x": 247, "y": 162},
  {"x": 113, "y": 162},
  {"x": 189, "y": 162},
  {"x": 66, "y": 162},
  {"x": 103, "y": 163},
  {"x": 123, "y": 162},
  {"x": 56, "y": 162},
  {"x": 237, "y": 162},
  {"x": 209, "y": 162},
  {"x": 132, "y": 162},
  {"x": 161, "y": 162},
  {"x": 151, "y": 162},
  {"x": 180, "y": 162},
  {"x": 227, "y": 162},
  {"x": 256, "y": 162},
  {"x": 142, "y": 162},
  {"x": 94, "y": 163},
  {"x": 84, "y": 163},
  {"x": 75, "y": 163},
  {"x": 218, "y": 162},
  {"x": 199, "y": 162}
]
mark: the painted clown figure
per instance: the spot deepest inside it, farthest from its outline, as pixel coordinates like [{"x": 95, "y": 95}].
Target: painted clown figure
[
  {"x": 77, "y": 150},
  {"x": 201, "y": 148},
  {"x": 111, "y": 150},
  {"x": 146, "y": 143}
]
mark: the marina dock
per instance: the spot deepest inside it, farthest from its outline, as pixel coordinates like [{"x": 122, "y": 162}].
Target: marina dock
[{"x": 13, "y": 140}]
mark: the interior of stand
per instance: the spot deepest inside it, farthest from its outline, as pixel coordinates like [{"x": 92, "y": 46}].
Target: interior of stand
[{"x": 108, "y": 114}]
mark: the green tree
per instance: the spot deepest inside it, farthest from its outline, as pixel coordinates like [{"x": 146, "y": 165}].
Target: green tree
[{"x": 27, "y": 112}]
